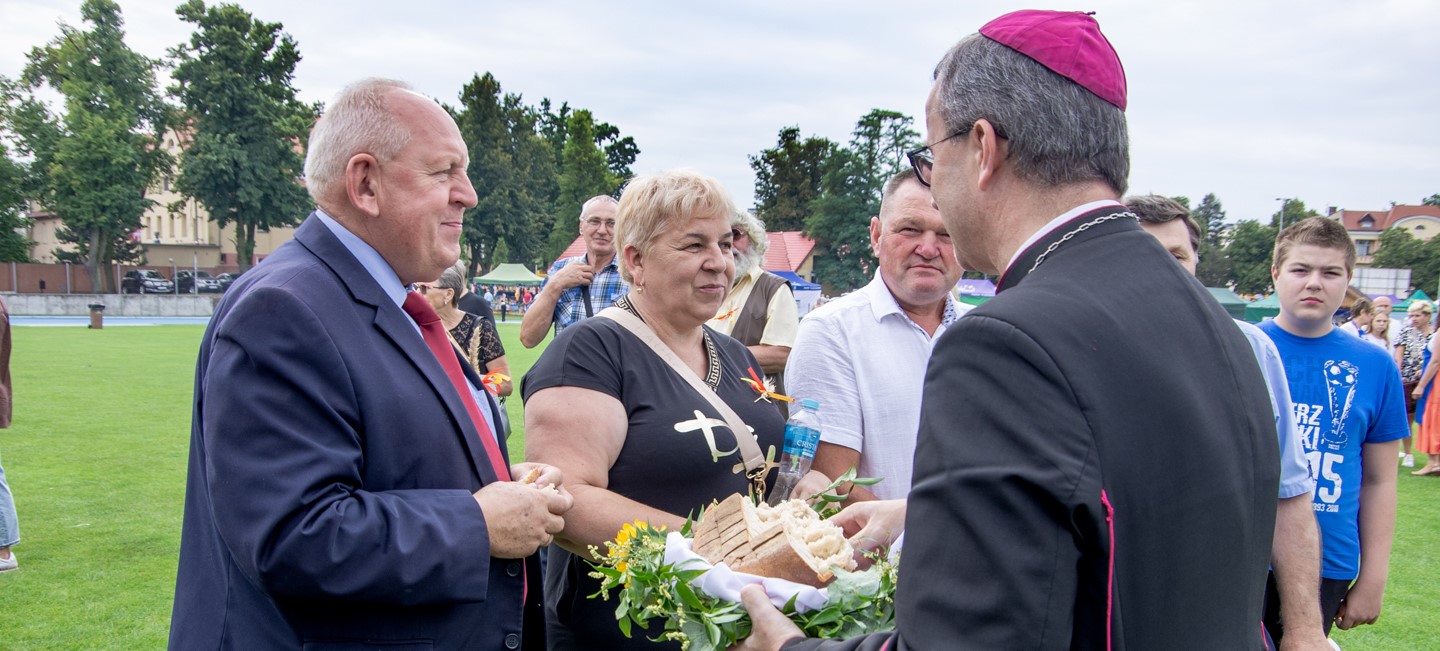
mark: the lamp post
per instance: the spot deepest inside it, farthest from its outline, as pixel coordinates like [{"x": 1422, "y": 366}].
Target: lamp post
[
  {"x": 173, "y": 279},
  {"x": 1283, "y": 202}
]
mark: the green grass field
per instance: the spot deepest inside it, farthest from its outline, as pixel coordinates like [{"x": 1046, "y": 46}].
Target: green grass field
[{"x": 97, "y": 456}]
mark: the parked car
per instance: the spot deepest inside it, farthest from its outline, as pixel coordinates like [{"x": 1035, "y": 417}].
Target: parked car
[
  {"x": 145, "y": 281},
  {"x": 201, "y": 280},
  {"x": 226, "y": 280}
]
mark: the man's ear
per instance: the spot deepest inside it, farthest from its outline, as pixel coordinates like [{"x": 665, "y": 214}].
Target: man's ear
[
  {"x": 875, "y": 233},
  {"x": 362, "y": 184},
  {"x": 990, "y": 155},
  {"x": 1274, "y": 273}
]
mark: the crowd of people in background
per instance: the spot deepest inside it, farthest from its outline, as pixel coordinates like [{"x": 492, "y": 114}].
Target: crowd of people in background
[{"x": 350, "y": 486}]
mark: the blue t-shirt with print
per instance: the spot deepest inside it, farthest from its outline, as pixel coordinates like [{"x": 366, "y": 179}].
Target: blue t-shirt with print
[{"x": 1347, "y": 393}]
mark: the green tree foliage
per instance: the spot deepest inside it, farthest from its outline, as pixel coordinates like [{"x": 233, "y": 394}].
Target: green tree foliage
[
  {"x": 840, "y": 223},
  {"x": 95, "y": 162},
  {"x": 880, "y": 141},
  {"x": 502, "y": 253},
  {"x": 234, "y": 77},
  {"x": 14, "y": 181},
  {"x": 620, "y": 152},
  {"x": 851, "y": 184},
  {"x": 1251, "y": 247},
  {"x": 1294, "y": 210},
  {"x": 787, "y": 179},
  {"x": 585, "y": 173},
  {"x": 513, "y": 171},
  {"x": 1210, "y": 215},
  {"x": 1398, "y": 249},
  {"x": 14, "y": 246},
  {"x": 1432, "y": 200},
  {"x": 1214, "y": 268}
]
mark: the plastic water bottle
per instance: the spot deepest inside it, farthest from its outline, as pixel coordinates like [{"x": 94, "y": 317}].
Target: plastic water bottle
[{"x": 802, "y": 436}]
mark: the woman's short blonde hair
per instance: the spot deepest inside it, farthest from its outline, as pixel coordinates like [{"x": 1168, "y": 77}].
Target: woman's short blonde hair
[
  {"x": 653, "y": 203},
  {"x": 1421, "y": 305}
]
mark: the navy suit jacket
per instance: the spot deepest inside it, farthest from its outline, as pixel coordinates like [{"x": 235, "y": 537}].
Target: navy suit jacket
[{"x": 328, "y": 501}]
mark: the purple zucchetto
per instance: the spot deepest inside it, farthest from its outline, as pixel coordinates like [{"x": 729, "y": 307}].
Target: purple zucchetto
[{"x": 1068, "y": 43}]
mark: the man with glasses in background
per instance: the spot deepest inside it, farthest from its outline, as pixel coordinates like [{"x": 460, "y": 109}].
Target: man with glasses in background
[
  {"x": 579, "y": 287},
  {"x": 1096, "y": 463}
]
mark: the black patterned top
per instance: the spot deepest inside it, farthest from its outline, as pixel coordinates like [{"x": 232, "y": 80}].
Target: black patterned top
[
  {"x": 479, "y": 339},
  {"x": 1411, "y": 364}
]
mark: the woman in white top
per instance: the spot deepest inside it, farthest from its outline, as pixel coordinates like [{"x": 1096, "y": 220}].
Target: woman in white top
[{"x": 1378, "y": 332}]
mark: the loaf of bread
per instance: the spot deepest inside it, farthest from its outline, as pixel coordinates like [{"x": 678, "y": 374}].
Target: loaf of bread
[{"x": 787, "y": 541}]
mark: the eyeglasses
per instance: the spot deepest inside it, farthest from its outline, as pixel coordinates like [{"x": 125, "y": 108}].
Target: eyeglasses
[
  {"x": 924, "y": 162},
  {"x": 736, "y": 234},
  {"x": 595, "y": 222},
  {"x": 423, "y": 289}
]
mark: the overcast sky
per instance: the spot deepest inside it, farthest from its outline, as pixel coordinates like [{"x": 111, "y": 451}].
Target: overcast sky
[{"x": 1336, "y": 103}]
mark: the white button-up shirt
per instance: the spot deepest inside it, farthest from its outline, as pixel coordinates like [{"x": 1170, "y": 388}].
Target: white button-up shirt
[{"x": 864, "y": 360}]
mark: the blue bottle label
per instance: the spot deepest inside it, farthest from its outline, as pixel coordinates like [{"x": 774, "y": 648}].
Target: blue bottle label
[{"x": 801, "y": 441}]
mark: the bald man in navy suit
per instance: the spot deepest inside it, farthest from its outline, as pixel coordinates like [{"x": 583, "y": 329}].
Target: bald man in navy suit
[{"x": 346, "y": 489}]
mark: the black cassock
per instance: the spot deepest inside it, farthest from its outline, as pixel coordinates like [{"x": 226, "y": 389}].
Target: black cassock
[{"x": 1096, "y": 466}]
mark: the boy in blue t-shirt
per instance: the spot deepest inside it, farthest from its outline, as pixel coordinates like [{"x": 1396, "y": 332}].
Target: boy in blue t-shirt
[{"x": 1351, "y": 411}]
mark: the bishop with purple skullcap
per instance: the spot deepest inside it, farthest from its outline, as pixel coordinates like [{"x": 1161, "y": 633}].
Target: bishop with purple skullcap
[{"x": 1068, "y": 43}]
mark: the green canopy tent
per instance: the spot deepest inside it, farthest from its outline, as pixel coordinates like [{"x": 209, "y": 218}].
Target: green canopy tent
[
  {"x": 1262, "y": 309},
  {"x": 1230, "y": 301},
  {"x": 1403, "y": 306},
  {"x": 510, "y": 273}
]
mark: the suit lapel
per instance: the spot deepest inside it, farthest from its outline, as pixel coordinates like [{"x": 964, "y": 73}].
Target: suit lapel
[{"x": 392, "y": 322}]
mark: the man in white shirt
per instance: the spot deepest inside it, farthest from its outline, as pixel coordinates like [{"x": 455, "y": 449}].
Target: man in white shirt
[{"x": 863, "y": 356}]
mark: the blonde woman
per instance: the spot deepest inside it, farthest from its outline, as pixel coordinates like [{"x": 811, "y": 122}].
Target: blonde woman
[{"x": 1378, "y": 332}]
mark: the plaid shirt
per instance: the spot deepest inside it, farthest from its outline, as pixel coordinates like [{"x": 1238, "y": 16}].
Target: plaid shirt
[{"x": 605, "y": 288}]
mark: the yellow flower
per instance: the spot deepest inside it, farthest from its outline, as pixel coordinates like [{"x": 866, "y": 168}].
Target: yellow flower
[
  {"x": 641, "y": 525},
  {"x": 626, "y": 532},
  {"x": 622, "y": 565}
]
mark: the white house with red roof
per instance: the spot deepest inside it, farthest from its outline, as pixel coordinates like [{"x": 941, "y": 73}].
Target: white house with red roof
[{"x": 1365, "y": 226}]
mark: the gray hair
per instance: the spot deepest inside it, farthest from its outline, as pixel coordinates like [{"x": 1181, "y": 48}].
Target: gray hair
[
  {"x": 754, "y": 229},
  {"x": 357, "y": 121},
  {"x": 1059, "y": 133},
  {"x": 595, "y": 201},
  {"x": 453, "y": 278}
]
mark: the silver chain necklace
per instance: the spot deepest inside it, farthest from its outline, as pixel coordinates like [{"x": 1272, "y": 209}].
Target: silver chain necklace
[{"x": 1078, "y": 230}]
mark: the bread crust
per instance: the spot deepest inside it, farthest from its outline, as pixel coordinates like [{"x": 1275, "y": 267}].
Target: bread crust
[{"x": 788, "y": 541}]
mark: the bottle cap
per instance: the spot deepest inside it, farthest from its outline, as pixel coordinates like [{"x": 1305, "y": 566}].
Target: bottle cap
[{"x": 810, "y": 404}]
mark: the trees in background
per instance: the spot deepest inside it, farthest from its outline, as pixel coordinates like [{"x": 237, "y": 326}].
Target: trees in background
[
  {"x": 830, "y": 192},
  {"x": 92, "y": 163},
  {"x": 850, "y": 193},
  {"x": 787, "y": 179},
  {"x": 243, "y": 163},
  {"x": 512, "y": 167},
  {"x": 1214, "y": 268},
  {"x": 14, "y": 178},
  {"x": 584, "y": 173},
  {"x": 1398, "y": 249}
]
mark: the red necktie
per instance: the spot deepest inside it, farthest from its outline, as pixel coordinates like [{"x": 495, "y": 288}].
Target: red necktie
[{"x": 434, "y": 333}]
